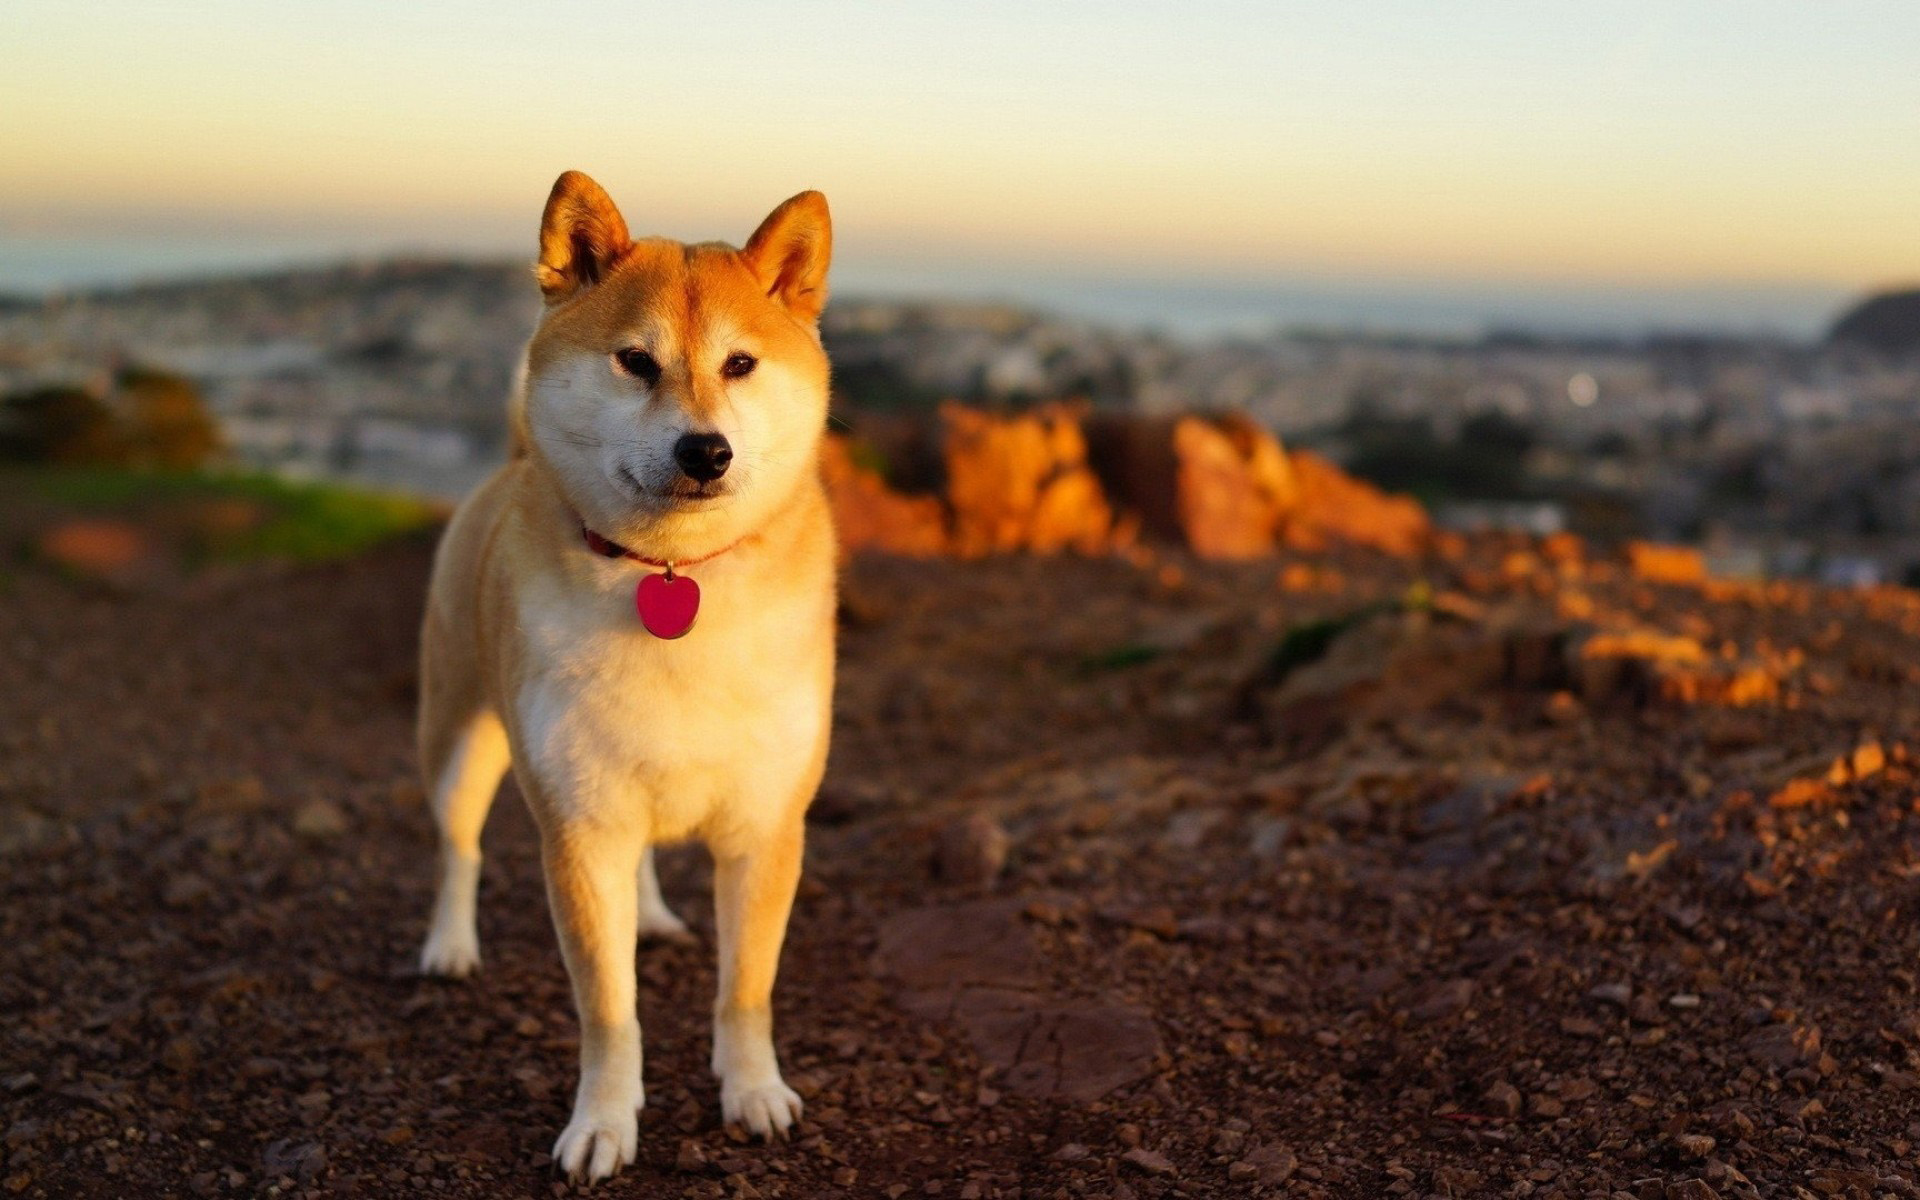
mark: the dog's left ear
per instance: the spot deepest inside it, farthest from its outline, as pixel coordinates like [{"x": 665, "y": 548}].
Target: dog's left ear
[{"x": 789, "y": 254}]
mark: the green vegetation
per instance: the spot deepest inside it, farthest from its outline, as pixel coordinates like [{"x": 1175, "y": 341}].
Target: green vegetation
[
  {"x": 229, "y": 516},
  {"x": 142, "y": 418},
  {"x": 1485, "y": 460},
  {"x": 1119, "y": 658}
]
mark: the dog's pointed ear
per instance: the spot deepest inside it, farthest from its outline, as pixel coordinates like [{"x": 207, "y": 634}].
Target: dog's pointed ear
[
  {"x": 582, "y": 237},
  {"x": 789, "y": 254}
]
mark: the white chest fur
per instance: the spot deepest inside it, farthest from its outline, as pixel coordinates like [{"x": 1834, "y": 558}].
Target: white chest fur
[{"x": 704, "y": 735}]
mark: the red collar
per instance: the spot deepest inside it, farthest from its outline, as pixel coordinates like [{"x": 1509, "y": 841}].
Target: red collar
[{"x": 611, "y": 549}]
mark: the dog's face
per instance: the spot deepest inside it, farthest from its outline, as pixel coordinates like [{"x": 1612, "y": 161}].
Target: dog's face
[{"x": 676, "y": 394}]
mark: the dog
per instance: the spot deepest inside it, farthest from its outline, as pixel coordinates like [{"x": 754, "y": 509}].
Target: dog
[{"x": 636, "y": 613}]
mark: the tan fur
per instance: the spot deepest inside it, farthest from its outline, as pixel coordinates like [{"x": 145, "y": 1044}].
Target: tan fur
[{"x": 532, "y": 653}]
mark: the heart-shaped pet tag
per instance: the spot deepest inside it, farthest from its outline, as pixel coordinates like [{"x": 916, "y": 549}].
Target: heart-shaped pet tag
[{"x": 667, "y": 604}]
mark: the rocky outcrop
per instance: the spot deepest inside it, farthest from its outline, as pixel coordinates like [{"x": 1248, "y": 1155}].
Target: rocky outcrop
[
  {"x": 1221, "y": 485},
  {"x": 1333, "y": 507},
  {"x": 1056, "y": 479},
  {"x": 869, "y": 515},
  {"x": 1021, "y": 482}
]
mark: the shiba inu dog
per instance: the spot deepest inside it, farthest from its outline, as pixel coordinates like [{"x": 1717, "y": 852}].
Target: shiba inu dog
[{"x": 637, "y": 614}]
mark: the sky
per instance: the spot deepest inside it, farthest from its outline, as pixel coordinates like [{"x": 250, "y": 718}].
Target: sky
[{"x": 1695, "y": 147}]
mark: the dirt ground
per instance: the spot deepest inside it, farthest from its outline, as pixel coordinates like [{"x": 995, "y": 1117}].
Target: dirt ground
[{"x": 1440, "y": 928}]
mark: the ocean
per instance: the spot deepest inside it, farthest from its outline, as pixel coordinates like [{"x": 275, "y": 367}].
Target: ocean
[{"x": 1191, "y": 308}]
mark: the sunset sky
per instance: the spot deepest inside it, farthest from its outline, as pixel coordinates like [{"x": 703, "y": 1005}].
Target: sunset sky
[{"x": 1668, "y": 142}]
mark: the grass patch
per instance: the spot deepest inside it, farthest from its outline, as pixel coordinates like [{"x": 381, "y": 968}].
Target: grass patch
[
  {"x": 232, "y": 516},
  {"x": 1121, "y": 657}
]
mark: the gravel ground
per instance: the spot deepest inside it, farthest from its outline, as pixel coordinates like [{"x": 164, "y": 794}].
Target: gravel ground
[{"x": 1099, "y": 901}]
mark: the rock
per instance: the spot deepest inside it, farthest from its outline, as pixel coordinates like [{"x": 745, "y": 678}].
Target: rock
[
  {"x": 869, "y": 515},
  {"x": 1072, "y": 1050},
  {"x": 972, "y": 851},
  {"x": 1782, "y": 1046},
  {"x": 1503, "y": 1099},
  {"x": 1272, "y": 1165},
  {"x": 1151, "y": 1161},
  {"x": 1443, "y": 1000},
  {"x": 303, "y": 1161},
  {"x": 1334, "y": 507},
  {"x": 319, "y": 819},
  {"x": 1021, "y": 482},
  {"x": 98, "y": 548},
  {"x": 1695, "y": 1145},
  {"x": 691, "y": 1158},
  {"x": 1219, "y": 485},
  {"x": 1617, "y": 994},
  {"x": 1655, "y": 563},
  {"x": 942, "y": 948}
]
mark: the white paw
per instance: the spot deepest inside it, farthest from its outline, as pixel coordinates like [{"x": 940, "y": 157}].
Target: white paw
[
  {"x": 662, "y": 926},
  {"x": 453, "y": 953},
  {"x": 764, "y": 1110},
  {"x": 598, "y": 1142}
]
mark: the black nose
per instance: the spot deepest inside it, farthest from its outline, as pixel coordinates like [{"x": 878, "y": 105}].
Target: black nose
[{"x": 703, "y": 456}]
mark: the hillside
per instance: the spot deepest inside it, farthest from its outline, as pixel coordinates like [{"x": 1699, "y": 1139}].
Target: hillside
[
  {"x": 1888, "y": 322},
  {"x": 1502, "y": 870}
]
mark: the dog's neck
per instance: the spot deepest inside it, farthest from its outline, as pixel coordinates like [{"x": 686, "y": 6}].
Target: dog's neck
[{"x": 553, "y": 510}]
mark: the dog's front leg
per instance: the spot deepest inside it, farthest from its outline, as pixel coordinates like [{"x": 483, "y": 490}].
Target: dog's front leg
[
  {"x": 590, "y": 873},
  {"x": 753, "y": 890}
]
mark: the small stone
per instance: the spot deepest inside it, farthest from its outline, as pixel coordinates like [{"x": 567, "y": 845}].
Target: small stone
[
  {"x": 1504, "y": 1099},
  {"x": 1274, "y": 1165},
  {"x": 1545, "y": 1107},
  {"x": 319, "y": 819},
  {"x": 1683, "y": 1000},
  {"x": 1616, "y": 994},
  {"x": 1444, "y": 1000},
  {"x": 972, "y": 851},
  {"x": 1071, "y": 1152},
  {"x": 846, "y": 1177},
  {"x": 1697, "y": 1145},
  {"x": 1151, "y": 1161},
  {"x": 1242, "y": 1171},
  {"x": 691, "y": 1157}
]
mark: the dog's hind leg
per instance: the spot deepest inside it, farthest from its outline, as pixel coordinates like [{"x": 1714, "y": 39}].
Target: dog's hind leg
[
  {"x": 656, "y": 919},
  {"x": 463, "y": 763}
]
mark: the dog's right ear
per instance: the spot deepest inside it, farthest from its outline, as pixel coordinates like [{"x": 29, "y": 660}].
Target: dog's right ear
[{"x": 582, "y": 237}]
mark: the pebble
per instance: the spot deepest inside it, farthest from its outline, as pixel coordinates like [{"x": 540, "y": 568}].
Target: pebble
[
  {"x": 319, "y": 819},
  {"x": 972, "y": 851},
  {"x": 1617, "y": 994},
  {"x": 1151, "y": 1161},
  {"x": 1503, "y": 1099}
]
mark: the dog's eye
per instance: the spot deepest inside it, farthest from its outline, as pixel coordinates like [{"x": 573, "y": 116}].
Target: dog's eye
[
  {"x": 739, "y": 366},
  {"x": 639, "y": 364}
]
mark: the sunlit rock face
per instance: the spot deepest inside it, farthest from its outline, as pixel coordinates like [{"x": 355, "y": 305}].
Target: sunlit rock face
[{"x": 1056, "y": 478}]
